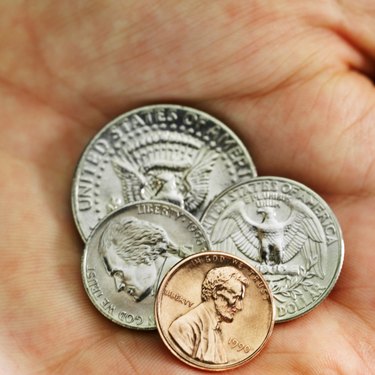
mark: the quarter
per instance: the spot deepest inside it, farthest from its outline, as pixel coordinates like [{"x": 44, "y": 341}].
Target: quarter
[
  {"x": 288, "y": 232},
  {"x": 222, "y": 319},
  {"x": 128, "y": 254}
]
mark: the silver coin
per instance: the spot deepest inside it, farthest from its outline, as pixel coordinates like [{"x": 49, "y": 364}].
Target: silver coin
[
  {"x": 161, "y": 152},
  {"x": 128, "y": 254},
  {"x": 288, "y": 232}
]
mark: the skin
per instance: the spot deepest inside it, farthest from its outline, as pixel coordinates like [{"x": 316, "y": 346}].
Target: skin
[{"x": 291, "y": 78}]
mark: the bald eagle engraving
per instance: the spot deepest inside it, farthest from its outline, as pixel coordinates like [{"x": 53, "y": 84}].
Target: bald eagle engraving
[
  {"x": 272, "y": 242},
  {"x": 182, "y": 180}
]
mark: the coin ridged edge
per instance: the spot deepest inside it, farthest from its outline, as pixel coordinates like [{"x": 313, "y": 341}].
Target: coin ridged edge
[
  {"x": 92, "y": 140},
  {"x": 327, "y": 207},
  {"x": 103, "y": 222}
]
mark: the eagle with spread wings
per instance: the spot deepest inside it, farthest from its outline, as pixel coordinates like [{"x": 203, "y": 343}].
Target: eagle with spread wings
[
  {"x": 270, "y": 241},
  {"x": 183, "y": 181}
]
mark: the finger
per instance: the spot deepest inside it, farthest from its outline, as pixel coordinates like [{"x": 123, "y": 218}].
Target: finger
[
  {"x": 319, "y": 132},
  {"x": 112, "y": 55},
  {"x": 358, "y": 24}
]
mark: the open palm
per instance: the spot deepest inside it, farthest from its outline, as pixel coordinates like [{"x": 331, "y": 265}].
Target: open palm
[{"x": 289, "y": 77}]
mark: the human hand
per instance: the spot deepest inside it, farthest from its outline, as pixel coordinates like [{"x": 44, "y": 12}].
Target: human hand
[{"x": 291, "y": 78}]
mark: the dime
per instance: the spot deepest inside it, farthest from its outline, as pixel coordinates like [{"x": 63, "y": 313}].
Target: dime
[
  {"x": 161, "y": 152},
  {"x": 288, "y": 232},
  {"x": 128, "y": 254},
  {"x": 223, "y": 318}
]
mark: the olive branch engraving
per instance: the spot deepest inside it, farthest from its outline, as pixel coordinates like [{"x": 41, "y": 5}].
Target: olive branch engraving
[{"x": 290, "y": 288}]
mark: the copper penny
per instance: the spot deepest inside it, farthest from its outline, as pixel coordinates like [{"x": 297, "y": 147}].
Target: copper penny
[{"x": 214, "y": 311}]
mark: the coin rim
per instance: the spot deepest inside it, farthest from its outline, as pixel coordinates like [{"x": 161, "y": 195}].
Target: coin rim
[
  {"x": 196, "y": 364},
  {"x": 103, "y": 222},
  {"x": 74, "y": 188},
  {"x": 341, "y": 244}
]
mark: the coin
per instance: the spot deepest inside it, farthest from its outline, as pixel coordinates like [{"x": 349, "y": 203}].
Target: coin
[
  {"x": 223, "y": 319},
  {"x": 288, "y": 232},
  {"x": 161, "y": 152},
  {"x": 128, "y": 254}
]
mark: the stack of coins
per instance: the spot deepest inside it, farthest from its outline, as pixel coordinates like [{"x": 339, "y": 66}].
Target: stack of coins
[{"x": 166, "y": 197}]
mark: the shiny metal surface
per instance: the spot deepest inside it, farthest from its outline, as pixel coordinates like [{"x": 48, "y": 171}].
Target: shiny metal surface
[
  {"x": 160, "y": 152},
  {"x": 128, "y": 254},
  {"x": 288, "y": 232},
  {"x": 222, "y": 319}
]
